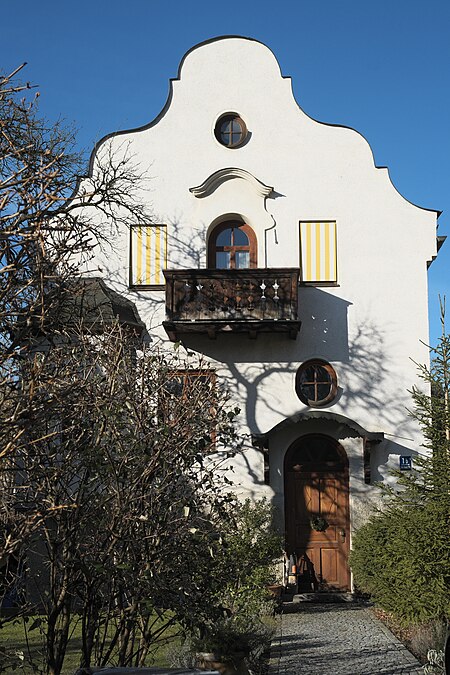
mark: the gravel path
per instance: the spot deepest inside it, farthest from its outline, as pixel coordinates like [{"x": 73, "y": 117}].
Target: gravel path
[{"x": 338, "y": 639}]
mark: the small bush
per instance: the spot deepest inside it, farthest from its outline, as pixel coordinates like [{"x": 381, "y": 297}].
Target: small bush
[{"x": 243, "y": 565}]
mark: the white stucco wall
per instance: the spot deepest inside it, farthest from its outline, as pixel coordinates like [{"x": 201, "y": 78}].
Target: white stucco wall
[{"x": 370, "y": 326}]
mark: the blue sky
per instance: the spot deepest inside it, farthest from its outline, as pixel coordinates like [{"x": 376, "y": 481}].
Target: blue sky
[{"x": 380, "y": 66}]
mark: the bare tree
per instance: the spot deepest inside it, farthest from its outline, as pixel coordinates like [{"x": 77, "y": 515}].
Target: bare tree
[
  {"x": 44, "y": 237},
  {"x": 108, "y": 456},
  {"x": 45, "y": 234},
  {"x": 125, "y": 465}
]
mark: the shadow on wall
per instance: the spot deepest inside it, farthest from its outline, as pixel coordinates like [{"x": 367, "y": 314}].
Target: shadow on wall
[
  {"x": 188, "y": 247},
  {"x": 154, "y": 309},
  {"x": 324, "y": 330},
  {"x": 370, "y": 385},
  {"x": 324, "y": 334},
  {"x": 382, "y": 469},
  {"x": 254, "y": 365},
  {"x": 186, "y": 250}
]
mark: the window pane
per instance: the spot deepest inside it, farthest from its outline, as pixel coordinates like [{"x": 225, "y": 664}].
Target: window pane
[
  {"x": 308, "y": 391},
  {"x": 222, "y": 260},
  {"x": 240, "y": 238},
  {"x": 175, "y": 386},
  {"x": 242, "y": 259},
  {"x": 224, "y": 238},
  {"x": 235, "y": 138},
  {"x": 226, "y": 126},
  {"x": 330, "y": 454},
  {"x": 307, "y": 374},
  {"x": 322, "y": 391},
  {"x": 226, "y": 132},
  {"x": 315, "y": 447},
  {"x": 236, "y": 127},
  {"x": 323, "y": 375}
]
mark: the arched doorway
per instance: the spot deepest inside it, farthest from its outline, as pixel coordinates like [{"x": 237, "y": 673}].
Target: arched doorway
[{"x": 317, "y": 512}]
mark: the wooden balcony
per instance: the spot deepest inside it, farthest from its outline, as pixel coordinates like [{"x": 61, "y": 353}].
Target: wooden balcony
[{"x": 249, "y": 301}]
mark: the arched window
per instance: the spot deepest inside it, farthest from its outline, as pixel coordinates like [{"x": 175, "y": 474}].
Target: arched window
[
  {"x": 232, "y": 245},
  {"x": 315, "y": 452}
]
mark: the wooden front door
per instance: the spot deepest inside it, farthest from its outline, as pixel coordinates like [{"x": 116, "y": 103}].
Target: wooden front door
[{"x": 317, "y": 512}]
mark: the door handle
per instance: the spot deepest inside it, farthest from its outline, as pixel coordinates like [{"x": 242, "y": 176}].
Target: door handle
[{"x": 342, "y": 533}]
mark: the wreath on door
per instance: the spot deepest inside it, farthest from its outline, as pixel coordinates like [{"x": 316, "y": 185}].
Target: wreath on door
[{"x": 318, "y": 523}]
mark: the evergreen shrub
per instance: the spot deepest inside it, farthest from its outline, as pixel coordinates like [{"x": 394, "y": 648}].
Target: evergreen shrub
[
  {"x": 401, "y": 559},
  {"x": 402, "y": 555}
]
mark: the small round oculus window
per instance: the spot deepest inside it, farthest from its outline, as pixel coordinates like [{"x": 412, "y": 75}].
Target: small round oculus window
[
  {"x": 316, "y": 383},
  {"x": 230, "y": 130}
]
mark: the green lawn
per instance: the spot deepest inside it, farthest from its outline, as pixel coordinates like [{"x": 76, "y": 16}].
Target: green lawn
[{"x": 13, "y": 640}]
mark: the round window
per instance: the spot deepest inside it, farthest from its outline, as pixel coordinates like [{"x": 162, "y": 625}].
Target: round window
[
  {"x": 316, "y": 383},
  {"x": 230, "y": 130}
]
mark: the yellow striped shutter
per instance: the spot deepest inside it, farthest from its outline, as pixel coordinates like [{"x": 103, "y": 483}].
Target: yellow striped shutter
[
  {"x": 318, "y": 251},
  {"x": 148, "y": 255}
]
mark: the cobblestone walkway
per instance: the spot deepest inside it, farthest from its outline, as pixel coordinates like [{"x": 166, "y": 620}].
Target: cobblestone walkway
[{"x": 338, "y": 639}]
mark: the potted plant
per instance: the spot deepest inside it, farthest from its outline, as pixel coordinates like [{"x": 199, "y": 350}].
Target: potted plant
[{"x": 230, "y": 643}]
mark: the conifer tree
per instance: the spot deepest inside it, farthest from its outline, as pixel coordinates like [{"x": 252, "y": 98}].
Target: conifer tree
[{"x": 402, "y": 555}]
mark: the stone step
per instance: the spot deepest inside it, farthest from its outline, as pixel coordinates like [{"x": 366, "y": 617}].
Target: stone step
[{"x": 317, "y": 597}]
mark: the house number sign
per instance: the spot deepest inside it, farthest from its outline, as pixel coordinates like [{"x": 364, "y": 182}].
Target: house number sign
[{"x": 405, "y": 462}]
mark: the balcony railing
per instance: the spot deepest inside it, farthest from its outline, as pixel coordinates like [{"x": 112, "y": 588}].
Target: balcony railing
[{"x": 248, "y": 300}]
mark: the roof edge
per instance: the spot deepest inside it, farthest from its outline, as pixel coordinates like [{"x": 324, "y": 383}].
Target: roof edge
[{"x": 166, "y": 106}]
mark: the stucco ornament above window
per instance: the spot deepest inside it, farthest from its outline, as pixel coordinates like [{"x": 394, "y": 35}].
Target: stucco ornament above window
[{"x": 216, "y": 179}]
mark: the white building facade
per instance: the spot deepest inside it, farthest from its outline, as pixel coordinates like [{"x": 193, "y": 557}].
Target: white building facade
[{"x": 280, "y": 252}]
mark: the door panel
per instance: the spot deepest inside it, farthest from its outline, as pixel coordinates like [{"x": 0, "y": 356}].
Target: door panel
[
  {"x": 319, "y": 491},
  {"x": 328, "y": 496},
  {"x": 329, "y": 567}
]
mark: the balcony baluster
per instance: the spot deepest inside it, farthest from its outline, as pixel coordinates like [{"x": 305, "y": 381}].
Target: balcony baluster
[{"x": 249, "y": 300}]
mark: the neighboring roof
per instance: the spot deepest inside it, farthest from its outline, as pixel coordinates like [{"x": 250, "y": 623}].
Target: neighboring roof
[
  {"x": 91, "y": 301},
  {"x": 86, "y": 303},
  {"x": 375, "y": 436}
]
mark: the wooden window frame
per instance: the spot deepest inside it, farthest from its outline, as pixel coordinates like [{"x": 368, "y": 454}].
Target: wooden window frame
[
  {"x": 230, "y": 117},
  {"x": 251, "y": 248},
  {"x": 186, "y": 374},
  {"x": 332, "y": 382}
]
